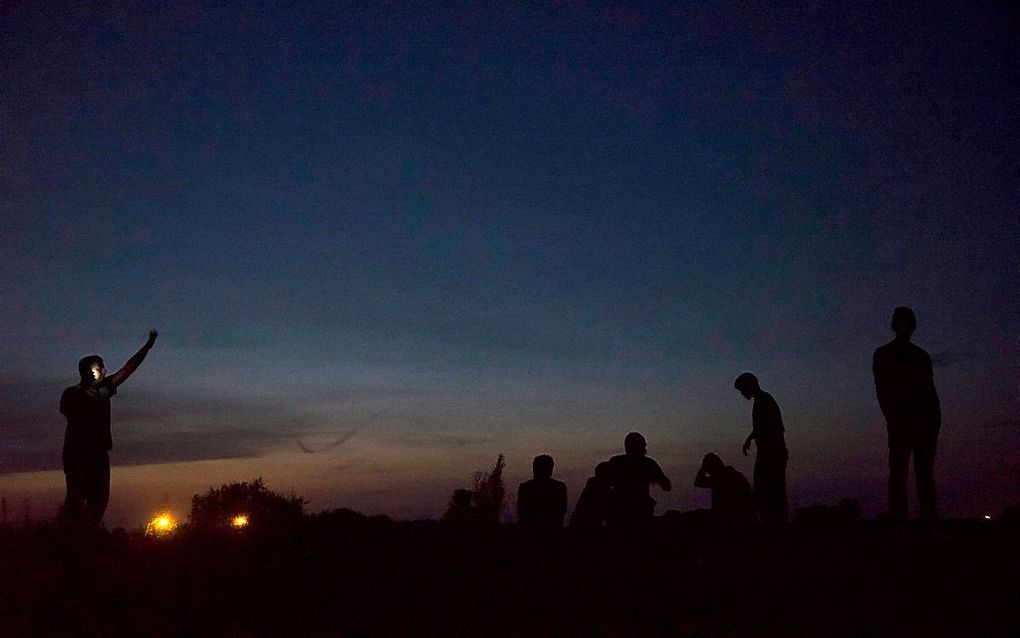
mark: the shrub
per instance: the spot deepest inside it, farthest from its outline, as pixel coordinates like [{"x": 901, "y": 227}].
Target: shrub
[
  {"x": 490, "y": 493},
  {"x": 218, "y": 507}
]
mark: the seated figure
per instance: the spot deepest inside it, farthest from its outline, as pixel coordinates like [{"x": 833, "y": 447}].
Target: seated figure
[
  {"x": 592, "y": 509},
  {"x": 542, "y": 501},
  {"x": 732, "y": 500}
]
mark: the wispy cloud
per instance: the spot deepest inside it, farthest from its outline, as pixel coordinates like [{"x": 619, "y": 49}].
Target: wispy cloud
[
  {"x": 341, "y": 438},
  {"x": 156, "y": 427}
]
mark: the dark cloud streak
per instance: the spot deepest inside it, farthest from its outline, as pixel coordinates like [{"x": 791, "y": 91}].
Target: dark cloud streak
[{"x": 156, "y": 427}]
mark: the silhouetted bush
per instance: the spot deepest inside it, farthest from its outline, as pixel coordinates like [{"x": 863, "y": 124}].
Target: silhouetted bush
[
  {"x": 460, "y": 511},
  {"x": 485, "y": 504},
  {"x": 263, "y": 508},
  {"x": 490, "y": 493}
]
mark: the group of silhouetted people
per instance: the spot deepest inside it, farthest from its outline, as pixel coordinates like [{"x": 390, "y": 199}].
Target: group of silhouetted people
[
  {"x": 619, "y": 496},
  {"x": 619, "y": 492}
]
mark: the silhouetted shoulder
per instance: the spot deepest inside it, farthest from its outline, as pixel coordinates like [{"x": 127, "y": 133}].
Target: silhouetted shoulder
[
  {"x": 888, "y": 351},
  {"x": 920, "y": 352},
  {"x": 895, "y": 354},
  {"x": 653, "y": 468},
  {"x": 885, "y": 348},
  {"x": 880, "y": 354},
  {"x": 68, "y": 397},
  {"x": 768, "y": 400}
]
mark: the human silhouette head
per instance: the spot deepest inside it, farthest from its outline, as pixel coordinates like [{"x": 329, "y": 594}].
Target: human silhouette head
[
  {"x": 635, "y": 445},
  {"x": 542, "y": 466},
  {"x": 747, "y": 384},
  {"x": 602, "y": 470},
  {"x": 712, "y": 464},
  {"x": 904, "y": 322},
  {"x": 91, "y": 368}
]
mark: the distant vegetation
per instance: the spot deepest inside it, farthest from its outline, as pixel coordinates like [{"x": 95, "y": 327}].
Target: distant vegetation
[
  {"x": 220, "y": 507},
  {"x": 485, "y": 504},
  {"x": 342, "y": 573}
]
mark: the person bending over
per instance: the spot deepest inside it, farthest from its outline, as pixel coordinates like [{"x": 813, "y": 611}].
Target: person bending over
[
  {"x": 767, "y": 431},
  {"x": 732, "y": 501}
]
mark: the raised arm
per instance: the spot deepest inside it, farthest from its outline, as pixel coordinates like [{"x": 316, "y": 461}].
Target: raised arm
[{"x": 120, "y": 376}]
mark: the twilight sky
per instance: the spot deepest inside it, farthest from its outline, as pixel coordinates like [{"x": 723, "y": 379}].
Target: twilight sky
[{"x": 384, "y": 245}]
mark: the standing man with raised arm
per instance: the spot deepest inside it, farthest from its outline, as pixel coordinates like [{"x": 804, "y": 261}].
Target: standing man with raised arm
[
  {"x": 770, "y": 462},
  {"x": 906, "y": 393},
  {"x": 87, "y": 439}
]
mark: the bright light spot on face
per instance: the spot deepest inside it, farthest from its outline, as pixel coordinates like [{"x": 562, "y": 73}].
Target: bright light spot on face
[
  {"x": 97, "y": 371},
  {"x": 162, "y": 525},
  {"x": 239, "y": 521}
]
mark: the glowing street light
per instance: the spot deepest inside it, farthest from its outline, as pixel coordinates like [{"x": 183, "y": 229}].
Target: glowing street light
[
  {"x": 161, "y": 526},
  {"x": 240, "y": 521}
]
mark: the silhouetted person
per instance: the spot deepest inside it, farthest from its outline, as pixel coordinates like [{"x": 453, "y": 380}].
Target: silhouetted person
[
  {"x": 542, "y": 501},
  {"x": 87, "y": 439},
  {"x": 732, "y": 501},
  {"x": 770, "y": 461},
  {"x": 592, "y": 508},
  {"x": 906, "y": 394},
  {"x": 631, "y": 474}
]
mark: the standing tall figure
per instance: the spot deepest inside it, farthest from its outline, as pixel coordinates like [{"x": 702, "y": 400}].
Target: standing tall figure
[
  {"x": 770, "y": 461},
  {"x": 906, "y": 394},
  {"x": 87, "y": 439}
]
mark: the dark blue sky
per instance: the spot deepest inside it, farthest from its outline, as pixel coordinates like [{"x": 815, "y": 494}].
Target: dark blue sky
[{"x": 461, "y": 231}]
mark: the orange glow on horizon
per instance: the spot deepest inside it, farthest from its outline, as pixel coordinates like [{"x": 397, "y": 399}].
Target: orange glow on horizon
[{"x": 163, "y": 525}]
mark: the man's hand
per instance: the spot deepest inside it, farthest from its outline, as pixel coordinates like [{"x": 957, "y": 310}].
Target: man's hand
[{"x": 120, "y": 376}]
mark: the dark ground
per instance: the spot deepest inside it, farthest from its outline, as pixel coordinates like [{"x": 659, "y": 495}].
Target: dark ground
[{"x": 343, "y": 574}]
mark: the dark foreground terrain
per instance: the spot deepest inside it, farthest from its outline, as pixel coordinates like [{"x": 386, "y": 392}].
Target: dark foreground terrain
[{"x": 343, "y": 574}]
